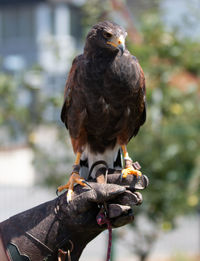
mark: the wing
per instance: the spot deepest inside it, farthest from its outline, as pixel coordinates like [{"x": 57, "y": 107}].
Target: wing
[
  {"x": 70, "y": 84},
  {"x": 74, "y": 112},
  {"x": 141, "y": 98},
  {"x": 134, "y": 109}
]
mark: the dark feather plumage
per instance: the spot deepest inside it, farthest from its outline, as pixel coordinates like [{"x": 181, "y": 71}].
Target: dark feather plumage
[{"x": 104, "y": 100}]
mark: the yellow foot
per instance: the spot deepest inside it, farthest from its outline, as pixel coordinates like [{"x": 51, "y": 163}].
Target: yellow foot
[
  {"x": 74, "y": 178},
  {"x": 131, "y": 171}
]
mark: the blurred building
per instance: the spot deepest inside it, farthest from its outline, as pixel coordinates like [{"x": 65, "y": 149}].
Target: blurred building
[
  {"x": 44, "y": 32},
  {"x": 38, "y": 40}
]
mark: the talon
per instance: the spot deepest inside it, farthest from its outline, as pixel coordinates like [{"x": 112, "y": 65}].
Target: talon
[
  {"x": 80, "y": 182},
  {"x": 61, "y": 188},
  {"x": 131, "y": 171},
  {"x": 85, "y": 182},
  {"x": 69, "y": 195},
  {"x": 74, "y": 178}
]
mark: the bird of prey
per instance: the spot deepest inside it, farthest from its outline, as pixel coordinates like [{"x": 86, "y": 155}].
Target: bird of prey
[{"x": 104, "y": 101}]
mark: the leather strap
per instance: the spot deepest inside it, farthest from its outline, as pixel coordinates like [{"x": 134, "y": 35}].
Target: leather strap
[{"x": 103, "y": 162}]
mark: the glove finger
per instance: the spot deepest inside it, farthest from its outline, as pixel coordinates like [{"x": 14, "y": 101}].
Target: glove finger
[
  {"x": 131, "y": 181},
  {"x": 105, "y": 192},
  {"x": 98, "y": 193},
  {"x": 129, "y": 198},
  {"x": 116, "y": 210}
]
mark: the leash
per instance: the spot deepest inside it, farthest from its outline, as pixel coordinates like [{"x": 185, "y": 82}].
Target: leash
[
  {"x": 102, "y": 217},
  {"x": 101, "y": 220}
]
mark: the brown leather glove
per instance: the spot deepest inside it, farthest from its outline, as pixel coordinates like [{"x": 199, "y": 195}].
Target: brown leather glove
[{"x": 40, "y": 232}]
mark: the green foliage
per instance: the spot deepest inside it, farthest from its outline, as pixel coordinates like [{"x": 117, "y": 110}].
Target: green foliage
[
  {"x": 23, "y": 105},
  {"x": 168, "y": 143},
  {"x": 22, "y": 116},
  {"x": 167, "y": 149},
  {"x": 95, "y": 11},
  {"x": 7, "y": 89},
  {"x": 167, "y": 146},
  {"x": 13, "y": 114}
]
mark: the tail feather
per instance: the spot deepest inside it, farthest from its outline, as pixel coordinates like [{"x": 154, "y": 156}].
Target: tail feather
[
  {"x": 118, "y": 162},
  {"x": 112, "y": 157}
]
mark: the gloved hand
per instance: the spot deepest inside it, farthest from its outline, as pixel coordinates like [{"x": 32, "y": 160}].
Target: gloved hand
[{"x": 40, "y": 232}]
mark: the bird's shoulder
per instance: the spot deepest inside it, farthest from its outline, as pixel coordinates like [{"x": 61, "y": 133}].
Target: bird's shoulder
[
  {"x": 133, "y": 62},
  {"x": 70, "y": 85},
  {"x": 125, "y": 71},
  {"x": 130, "y": 61}
]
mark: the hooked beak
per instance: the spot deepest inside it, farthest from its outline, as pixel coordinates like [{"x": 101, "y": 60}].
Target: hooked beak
[
  {"x": 118, "y": 43},
  {"x": 121, "y": 48}
]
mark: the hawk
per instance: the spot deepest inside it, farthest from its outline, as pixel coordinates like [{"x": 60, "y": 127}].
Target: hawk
[{"x": 104, "y": 101}]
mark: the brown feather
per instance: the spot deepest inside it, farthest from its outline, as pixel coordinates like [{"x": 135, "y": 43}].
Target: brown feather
[{"x": 104, "y": 95}]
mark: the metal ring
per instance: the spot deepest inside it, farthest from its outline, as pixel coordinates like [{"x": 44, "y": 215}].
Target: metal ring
[{"x": 72, "y": 245}]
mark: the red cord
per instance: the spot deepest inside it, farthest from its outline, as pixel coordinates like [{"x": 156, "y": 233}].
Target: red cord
[
  {"x": 101, "y": 219},
  {"x": 109, "y": 239}
]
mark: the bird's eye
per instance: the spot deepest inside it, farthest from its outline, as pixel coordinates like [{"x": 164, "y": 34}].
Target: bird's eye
[{"x": 107, "y": 35}]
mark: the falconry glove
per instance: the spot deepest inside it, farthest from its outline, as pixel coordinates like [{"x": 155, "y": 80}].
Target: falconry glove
[{"x": 42, "y": 232}]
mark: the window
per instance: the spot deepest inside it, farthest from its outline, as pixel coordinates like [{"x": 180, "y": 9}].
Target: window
[{"x": 17, "y": 22}]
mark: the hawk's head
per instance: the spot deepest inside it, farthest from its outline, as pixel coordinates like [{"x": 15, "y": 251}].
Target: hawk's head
[{"x": 107, "y": 35}]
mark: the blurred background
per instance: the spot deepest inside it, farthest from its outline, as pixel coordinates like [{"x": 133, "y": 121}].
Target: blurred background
[{"x": 38, "y": 40}]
